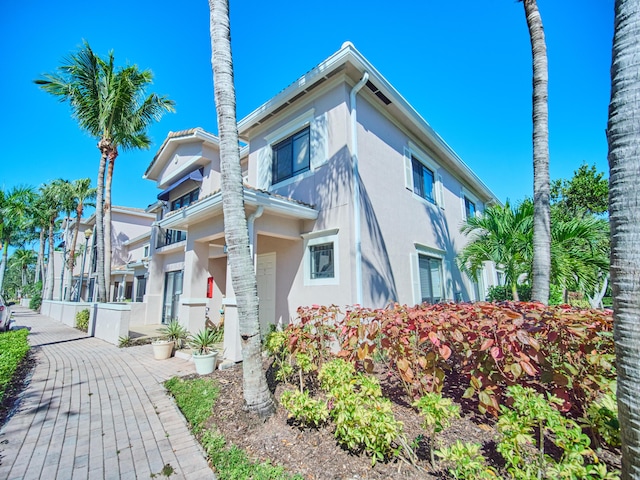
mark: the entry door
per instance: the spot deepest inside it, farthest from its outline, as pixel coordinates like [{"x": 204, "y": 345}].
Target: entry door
[
  {"x": 266, "y": 279},
  {"x": 172, "y": 292}
]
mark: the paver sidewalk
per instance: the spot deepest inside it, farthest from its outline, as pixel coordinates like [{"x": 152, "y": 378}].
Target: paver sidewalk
[{"x": 94, "y": 411}]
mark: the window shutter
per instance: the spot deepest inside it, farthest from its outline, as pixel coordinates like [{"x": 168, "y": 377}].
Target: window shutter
[
  {"x": 440, "y": 192},
  {"x": 318, "y": 142},
  {"x": 264, "y": 168},
  {"x": 415, "y": 279},
  {"x": 448, "y": 280},
  {"x": 408, "y": 171}
]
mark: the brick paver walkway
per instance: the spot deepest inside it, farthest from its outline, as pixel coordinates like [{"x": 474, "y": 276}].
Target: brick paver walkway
[{"x": 94, "y": 411}]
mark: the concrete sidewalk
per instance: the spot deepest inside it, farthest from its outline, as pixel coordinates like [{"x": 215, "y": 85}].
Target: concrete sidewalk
[{"x": 94, "y": 411}]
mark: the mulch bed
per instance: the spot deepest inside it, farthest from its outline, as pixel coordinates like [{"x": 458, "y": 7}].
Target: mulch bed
[{"x": 315, "y": 454}]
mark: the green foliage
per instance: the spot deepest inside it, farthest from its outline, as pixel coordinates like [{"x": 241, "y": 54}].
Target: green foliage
[
  {"x": 586, "y": 193},
  {"x": 231, "y": 463},
  {"x": 437, "y": 414},
  {"x": 304, "y": 409},
  {"x": 125, "y": 342},
  {"x": 602, "y": 418},
  {"x": 465, "y": 462},
  {"x": 176, "y": 332},
  {"x": 525, "y": 454},
  {"x": 364, "y": 421},
  {"x": 82, "y": 320},
  {"x": 500, "y": 293},
  {"x": 35, "y": 301},
  {"x": 203, "y": 341},
  {"x": 195, "y": 398},
  {"x": 13, "y": 349}
]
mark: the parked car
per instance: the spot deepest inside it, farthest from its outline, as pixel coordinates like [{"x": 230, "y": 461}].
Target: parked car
[{"x": 5, "y": 315}]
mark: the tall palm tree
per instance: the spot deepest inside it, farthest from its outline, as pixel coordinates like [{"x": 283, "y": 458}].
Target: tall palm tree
[
  {"x": 39, "y": 223},
  {"x": 52, "y": 203},
  {"x": 623, "y": 133},
  {"x": 541, "y": 181},
  {"x": 13, "y": 207},
  {"x": 109, "y": 104},
  {"x": 500, "y": 235},
  {"x": 82, "y": 194},
  {"x": 67, "y": 205},
  {"x": 255, "y": 389}
]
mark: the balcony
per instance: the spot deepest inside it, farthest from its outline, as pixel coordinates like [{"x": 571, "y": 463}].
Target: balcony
[{"x": 170, "y": 237}]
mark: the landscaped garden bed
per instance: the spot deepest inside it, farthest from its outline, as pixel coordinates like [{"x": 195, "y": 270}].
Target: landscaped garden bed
[{"x": 437, "y": 379}]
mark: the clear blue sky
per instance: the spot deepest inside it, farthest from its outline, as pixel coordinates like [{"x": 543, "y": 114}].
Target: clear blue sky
[{"x": 464, "y": 65}]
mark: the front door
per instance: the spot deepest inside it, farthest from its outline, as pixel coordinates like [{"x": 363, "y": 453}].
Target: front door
[
  {"x": 172, "y": 292},
  {"x": 266, "y": 280}
]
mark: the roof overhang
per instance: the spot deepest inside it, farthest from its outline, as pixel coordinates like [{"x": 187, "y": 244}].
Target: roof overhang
[
  {"x": 173, "y": 140},
  {"x": 350, "y": 61},
  {"x": 212, "y": 205},
  {"x": 195, "y": 176}
]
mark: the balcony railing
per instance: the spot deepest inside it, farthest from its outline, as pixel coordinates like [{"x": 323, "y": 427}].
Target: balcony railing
[{"x": 169, "y": 237}]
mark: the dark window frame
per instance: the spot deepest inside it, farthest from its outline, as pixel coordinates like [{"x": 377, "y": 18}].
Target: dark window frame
[
  {"x": 286, "y": 146},
  {"x": 419, "y": 170},
  {"x": 469, "y": 212},
  {"x": 185, "y": 200},
  {"x": 430, "y": 296},
  {"x": 314, "y": 251}
]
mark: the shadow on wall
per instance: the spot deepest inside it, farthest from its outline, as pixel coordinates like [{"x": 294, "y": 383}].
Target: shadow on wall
[
  {"x": 118, "y": 249},
  {"x": 442, "y": 233},
  {"x": 333, "y": 188}
]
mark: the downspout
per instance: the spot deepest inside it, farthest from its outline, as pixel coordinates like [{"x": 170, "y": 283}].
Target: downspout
[
  {"x": 250, "y": 221},
  {"x": 356, "y": 185}
]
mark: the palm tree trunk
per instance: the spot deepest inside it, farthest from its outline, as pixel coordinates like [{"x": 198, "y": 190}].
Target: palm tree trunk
[
  {"x": 541, "y": 209},
  {"x": 624, "y": 214},
  {"x": 256, "y": 391},
  {"x": 48, "y": 292},
  {"x": 72, "y": 252},
  {"x": 107, "y": 218},
  {"x": 3, "y": 262},
  {"x": 40, "y": 262},
  {"x": 102, "y": 292}
]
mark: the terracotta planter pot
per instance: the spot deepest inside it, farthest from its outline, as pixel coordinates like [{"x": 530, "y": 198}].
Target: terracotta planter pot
[
  {"x": 206, "y": 363},
  {"x": 162, "y": 349}
]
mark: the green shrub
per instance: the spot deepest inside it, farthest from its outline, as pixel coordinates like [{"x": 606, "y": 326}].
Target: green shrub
[
  {"x": 501, "y": 293},
  {"x": 13, "y": 349},
  {"x": 176, "y": 332},
  {"x": 35, "y": 302},
  {"x": 303, "y": 408},
  {"x": 437, "y": 413},
  {"x": 82, "y": 320},
  {"x": 465, "y": 462}
]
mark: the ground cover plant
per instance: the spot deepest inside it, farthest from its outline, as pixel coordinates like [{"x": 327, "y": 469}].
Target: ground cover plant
[
  {"x": 500, "y": 401},
  {"x": 13, "y": 349}
]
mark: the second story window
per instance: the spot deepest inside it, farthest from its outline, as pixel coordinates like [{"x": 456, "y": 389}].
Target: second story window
[
  {"x": 291, "y": 156},
  {"x": 469, "y": 208},
  {"x": 185, "y": 200},
  {"x": 423, "y": 180}
]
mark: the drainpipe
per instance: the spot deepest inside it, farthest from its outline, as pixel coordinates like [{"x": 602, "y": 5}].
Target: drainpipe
[
  {"x": 356, "y": 185},
  {"x": 250, "y": 221}
]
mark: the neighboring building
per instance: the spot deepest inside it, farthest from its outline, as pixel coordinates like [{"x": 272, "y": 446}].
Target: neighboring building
[
  {"x": 350, "y": 196},
  {"x": 130, "y": 252}
]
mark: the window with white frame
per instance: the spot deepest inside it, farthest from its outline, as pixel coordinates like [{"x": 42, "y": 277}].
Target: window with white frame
[
  {"x": 291, "y": 156},
  {"x": 322, "y": 261},
  {"x": 431, "y": 278},
  {"x": 321, "y": 258},
  {"x": 145, "y": 251}
]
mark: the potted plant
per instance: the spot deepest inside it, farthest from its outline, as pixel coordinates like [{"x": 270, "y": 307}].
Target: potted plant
[
  {"x": 162, "y": 348},
  {"x": 203, "y": 354},
  {"x": 175, "y": 332}
]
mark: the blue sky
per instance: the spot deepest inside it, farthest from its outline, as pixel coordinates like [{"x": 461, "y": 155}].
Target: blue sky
[{"x": 465, "y": 66}]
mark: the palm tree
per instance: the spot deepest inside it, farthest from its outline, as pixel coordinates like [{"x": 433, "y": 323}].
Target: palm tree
[
  {"x": 52, "y": 203},
  {"x": 623, "y": 133},
  {"x": 13, "y": 208},
  {"x": 24, "y": 259},
  {"x": 82, "y": 194},
  {"x": 256, "y": 391},
  {"x": 111, "y": 106},
  {"x": 541, "y": 181},
  {"x": 39, "y": 223},
  {"x": 500, "y": 235}
]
